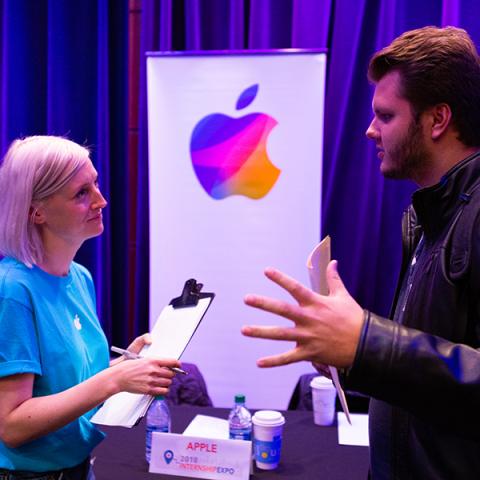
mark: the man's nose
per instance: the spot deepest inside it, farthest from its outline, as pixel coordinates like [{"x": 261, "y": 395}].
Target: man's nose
[{"x": 372, "y": 131}]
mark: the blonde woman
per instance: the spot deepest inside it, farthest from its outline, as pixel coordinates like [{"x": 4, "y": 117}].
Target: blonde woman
[{"x": 54, "y": 361}]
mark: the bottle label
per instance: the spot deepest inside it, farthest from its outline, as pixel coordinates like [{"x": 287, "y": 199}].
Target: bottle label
[
  {"x": 148, "y": 444},
  {"x": 268, "y": 452},
  {"x": 240, "y": 434}
]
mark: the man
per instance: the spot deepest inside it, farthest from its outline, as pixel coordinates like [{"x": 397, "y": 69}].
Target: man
[{"x": 422, "y": 369}]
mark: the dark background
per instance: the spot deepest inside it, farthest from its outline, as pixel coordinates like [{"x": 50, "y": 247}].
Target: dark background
[{"x": 77, "y": 68}]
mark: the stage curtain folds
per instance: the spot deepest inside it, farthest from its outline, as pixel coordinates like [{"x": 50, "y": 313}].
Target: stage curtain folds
[
  {"x": 361, "y": 209},
  {"x": 64, "y": 71}
]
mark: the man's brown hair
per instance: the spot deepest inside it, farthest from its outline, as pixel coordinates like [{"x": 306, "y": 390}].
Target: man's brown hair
[{"x": 437, "y": 65}]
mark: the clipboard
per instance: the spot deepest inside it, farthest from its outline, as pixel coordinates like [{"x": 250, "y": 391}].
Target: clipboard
[
  {"x": 317, "y": 263},
  {"x": 172, "y": 332}
]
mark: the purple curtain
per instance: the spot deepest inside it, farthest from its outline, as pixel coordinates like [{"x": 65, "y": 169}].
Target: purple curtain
[
  {"x": 63, "y": 72},
  {"x": 361, "y": 210}
]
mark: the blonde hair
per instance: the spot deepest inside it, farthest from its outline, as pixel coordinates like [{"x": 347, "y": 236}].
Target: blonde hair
[{"x": 33, "y": 169}]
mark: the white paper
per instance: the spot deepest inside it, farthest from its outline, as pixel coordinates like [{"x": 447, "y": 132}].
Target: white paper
[
  {"x": 317, "y": 263},
  {"x": 172, "y": 331},
  {"x": 123, "y": 409},
  {"x": 208, "y": 427},
  {"x": 355, "y": 433}
]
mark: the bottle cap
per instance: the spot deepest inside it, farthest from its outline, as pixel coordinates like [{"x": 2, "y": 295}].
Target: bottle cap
[{"x": 239, "y": 398}]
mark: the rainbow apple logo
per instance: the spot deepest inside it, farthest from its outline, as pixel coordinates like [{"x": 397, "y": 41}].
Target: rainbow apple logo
[{"x": 229, "y": 155}]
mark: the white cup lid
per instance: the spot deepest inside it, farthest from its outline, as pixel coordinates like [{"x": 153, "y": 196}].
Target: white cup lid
[
  {"x": 321, "y": 382},
  {"x": 268, "y": 418}
]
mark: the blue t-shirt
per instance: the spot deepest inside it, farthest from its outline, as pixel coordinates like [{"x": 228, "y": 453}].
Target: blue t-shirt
[{"x": 49, "y": 327}]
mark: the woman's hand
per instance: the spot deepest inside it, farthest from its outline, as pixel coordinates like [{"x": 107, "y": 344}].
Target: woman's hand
[
  {"x": 24, "y": 418},
  {"x": 150, "y": 376},
  {"x": 135, "y": 347}
]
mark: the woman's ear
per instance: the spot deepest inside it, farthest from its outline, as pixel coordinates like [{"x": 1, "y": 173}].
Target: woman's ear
[{"x": 37, "y": 214}]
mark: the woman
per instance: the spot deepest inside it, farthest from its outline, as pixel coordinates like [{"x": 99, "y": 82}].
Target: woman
[{"x": 54, "y": 361}]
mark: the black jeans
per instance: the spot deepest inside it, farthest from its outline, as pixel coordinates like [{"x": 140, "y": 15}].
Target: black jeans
[{"x": 79, "y": 472}]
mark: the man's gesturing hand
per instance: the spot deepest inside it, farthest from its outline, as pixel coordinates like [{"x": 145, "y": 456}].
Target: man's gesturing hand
[{"x": 327, "y": 327}]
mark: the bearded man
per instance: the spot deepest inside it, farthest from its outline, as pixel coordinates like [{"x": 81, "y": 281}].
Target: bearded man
[{"x": 421, "y": 367}]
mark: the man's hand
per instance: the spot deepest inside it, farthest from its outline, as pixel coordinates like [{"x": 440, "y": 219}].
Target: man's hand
[
  {"x": 327, "y": 327},
  {"x": 322, "y": 369}
]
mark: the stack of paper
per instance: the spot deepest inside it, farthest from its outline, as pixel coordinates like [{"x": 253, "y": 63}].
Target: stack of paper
[{"x": 317, "y": 263}]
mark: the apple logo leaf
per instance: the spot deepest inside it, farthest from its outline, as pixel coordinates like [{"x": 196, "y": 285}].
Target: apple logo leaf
[{"x": 247, "y": 97}]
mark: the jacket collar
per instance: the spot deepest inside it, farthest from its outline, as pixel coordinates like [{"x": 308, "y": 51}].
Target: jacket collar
[{"x": 435, "y": 206}]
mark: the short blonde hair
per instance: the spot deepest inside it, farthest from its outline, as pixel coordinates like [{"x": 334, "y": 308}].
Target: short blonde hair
[{"x": 33, "y": 169}]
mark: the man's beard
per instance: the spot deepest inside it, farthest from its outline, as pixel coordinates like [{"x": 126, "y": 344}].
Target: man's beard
[{"x": 409, "y": 157}]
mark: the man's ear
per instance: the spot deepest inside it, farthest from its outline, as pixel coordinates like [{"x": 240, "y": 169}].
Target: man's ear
[
  {"x": 441, "y": 116},
  {"x": 37, "y": 214}
]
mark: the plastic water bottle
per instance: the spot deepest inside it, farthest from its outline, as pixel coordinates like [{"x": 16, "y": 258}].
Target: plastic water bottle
[
  {"x": 240, "y": 420},
  {"x": 158, "y": 420}
]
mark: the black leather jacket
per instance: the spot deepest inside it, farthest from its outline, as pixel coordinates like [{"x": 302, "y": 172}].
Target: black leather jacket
[{"x": 426, "y": 369}]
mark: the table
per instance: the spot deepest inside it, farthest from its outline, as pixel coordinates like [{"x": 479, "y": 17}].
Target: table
[{"x": 309, "y": 452}]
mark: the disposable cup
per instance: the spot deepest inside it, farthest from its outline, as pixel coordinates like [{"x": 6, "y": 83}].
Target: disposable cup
[
  {"x": 323, "y": 400},
  {"x": 267, "y": 438}
]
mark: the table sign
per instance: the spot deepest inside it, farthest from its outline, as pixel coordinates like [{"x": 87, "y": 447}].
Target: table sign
[{"x": 174, "y": 454}]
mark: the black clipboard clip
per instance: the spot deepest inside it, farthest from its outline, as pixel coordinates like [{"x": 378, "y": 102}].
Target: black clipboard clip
[{"x": 190, "y": 295}]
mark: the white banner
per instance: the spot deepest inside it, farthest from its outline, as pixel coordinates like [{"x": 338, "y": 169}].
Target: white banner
[{"x": 235, "y": 156}]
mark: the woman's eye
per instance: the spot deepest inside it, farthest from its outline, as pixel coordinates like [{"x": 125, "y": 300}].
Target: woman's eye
[
  {"x": 385, "y": 117},
  {"x": 81, "y": 193}
]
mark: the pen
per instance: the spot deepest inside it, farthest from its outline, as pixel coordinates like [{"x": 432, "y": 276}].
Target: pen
[{"x": 135, "y": 356}]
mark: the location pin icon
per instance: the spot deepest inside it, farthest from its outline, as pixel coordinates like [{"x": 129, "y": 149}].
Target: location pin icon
[{"x": 168, "y": 456}]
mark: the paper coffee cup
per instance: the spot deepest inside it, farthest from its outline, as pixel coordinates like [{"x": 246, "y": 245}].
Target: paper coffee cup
[
  {"x": 323, "y": 400},
  {"x": 267, "y": 438}
]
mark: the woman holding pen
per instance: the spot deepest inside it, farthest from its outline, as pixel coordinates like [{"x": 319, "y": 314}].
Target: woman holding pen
[{"x": 54, "y": 360}]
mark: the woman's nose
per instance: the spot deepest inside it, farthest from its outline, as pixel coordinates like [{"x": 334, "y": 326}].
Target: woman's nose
[{"x": 99, "y": 200}]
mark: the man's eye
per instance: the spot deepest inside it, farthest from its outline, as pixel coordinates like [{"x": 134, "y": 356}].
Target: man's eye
[{"x": 385, "y": 117}]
